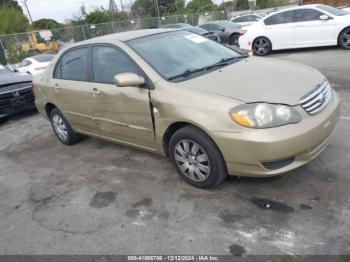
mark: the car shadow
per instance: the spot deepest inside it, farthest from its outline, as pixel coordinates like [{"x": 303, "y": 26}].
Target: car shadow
[
  {"x": 308, "y": 49},
  {"x": 18, "y": 116}
]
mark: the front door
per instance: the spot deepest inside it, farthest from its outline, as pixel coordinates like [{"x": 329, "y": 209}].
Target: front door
[
  {"x": 71, "y": 90},
  {"x": 311, "y": 31},
  {"x": 121, "y": 113},
  {"x": 280, "y": 29}
]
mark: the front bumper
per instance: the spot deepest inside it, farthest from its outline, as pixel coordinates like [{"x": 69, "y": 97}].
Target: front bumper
[{"x": 244, "y": 152}]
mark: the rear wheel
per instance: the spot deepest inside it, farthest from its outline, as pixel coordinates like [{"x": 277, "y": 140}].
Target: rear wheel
[
  {"x": 63, "y": 129},
  {"x": 234, "y": 40},
  {"x": 344, "y": 39},
  {"x": 262, "y": 46},
  {"x": 196, "y": 158}
]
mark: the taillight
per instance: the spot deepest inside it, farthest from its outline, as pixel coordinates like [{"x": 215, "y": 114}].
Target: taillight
[{"x": 242, "y": 32}]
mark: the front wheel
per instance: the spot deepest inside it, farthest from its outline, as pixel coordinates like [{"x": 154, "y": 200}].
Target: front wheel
[
  {"x": 344, "y": 39},
  {"x": 196, "y": 158},
  {"x": 262, "y": 46}
]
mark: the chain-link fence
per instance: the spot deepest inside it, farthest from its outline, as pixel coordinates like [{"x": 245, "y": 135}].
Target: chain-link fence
[{"x": 15, "y": 47}]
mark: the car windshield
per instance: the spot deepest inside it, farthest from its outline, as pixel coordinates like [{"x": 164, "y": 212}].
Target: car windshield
[
  {"x": 4, "y": 70},
  {"x": 174, "y": 53},
  {"x": 43, "y": 58},
  {"x": 332, "y": 10}
]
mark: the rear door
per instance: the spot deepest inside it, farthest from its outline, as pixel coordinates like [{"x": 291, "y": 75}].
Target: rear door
[
  {"x": 121, "y": 113},
  {"x": 71, "y": 90},
  {"x": 311, "y": 31},
  {"x": 280, "y": 29}
]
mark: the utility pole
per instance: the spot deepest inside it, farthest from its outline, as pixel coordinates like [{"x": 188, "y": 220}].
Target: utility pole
[{"x": 26, "y": 6}]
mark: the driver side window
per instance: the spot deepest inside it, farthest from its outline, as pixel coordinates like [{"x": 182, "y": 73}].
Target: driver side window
[{"x": 108, "y": 61}]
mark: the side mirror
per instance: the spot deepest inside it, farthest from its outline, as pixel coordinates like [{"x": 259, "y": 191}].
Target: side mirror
[
  {"x": 221, "y": 29},
  {"x": 15, "y": 70},
  {"x": 128, "y": 79},
  {"x": 324, "y": 17}
]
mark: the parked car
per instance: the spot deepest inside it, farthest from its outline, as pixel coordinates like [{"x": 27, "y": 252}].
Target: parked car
[
  {"x": 15, "y": 92},
  {"x": 196, "y": 30},
  {"x": 247, "y": 19},
  {"x": 298, "y": 27},
  {"x": 35, "y": 65},
  {"x": 227, "y": 31},
  {"x": 177, "y": 25},
  {"x": 211, "y": 110}
]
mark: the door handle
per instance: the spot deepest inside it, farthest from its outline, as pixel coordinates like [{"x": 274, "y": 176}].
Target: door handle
[{"x": 95, "y": 91}]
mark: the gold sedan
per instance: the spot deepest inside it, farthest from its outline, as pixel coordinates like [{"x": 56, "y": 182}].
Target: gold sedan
[{"x": 211, "y": 110}]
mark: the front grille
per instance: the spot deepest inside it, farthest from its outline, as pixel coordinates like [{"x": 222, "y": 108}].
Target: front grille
[
  {"x": 16, "y": 99},
  {"x": 317, "y": 99},
  {"x": 278, "y": 164}
]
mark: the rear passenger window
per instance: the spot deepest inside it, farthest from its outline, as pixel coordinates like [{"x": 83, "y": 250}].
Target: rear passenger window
[
  {"x": 240, "y": 19},
  {"x": 73, "y": 65},
  {"x": 280, "y": 18},
  {"x": 109, "y": 61}
]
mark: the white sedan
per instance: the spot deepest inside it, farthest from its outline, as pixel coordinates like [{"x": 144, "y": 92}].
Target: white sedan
[
  {"x": 35, "y": 65},
  {"x": 298, "y": 27},
  {"x": 247, "y": 19}
]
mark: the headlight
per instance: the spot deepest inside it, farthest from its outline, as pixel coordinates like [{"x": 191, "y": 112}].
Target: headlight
[{"x": 263, "y": 115}]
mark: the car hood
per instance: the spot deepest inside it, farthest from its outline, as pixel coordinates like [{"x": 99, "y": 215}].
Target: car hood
[
  {"x": 12, "y": 78},
  {"x": 259, "y": 80}
]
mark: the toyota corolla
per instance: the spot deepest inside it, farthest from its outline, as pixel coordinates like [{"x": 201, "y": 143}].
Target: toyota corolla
[{"x": 211, "y": 110}]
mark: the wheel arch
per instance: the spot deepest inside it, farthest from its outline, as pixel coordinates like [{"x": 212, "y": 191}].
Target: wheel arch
[
  {"x": 173, "y": 127},
  {"x": 48, "y": 108},
  {"x": 264, "y": 37},
  {"x": 341, "y": 31}
]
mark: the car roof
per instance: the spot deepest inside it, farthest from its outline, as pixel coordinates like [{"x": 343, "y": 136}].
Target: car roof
[
  {"x": 290, "y": 9},
  {"x": 129, "y": 35}
]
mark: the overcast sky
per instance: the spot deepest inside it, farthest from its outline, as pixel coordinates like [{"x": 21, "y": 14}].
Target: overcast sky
[{"x": 61, "y": 10}]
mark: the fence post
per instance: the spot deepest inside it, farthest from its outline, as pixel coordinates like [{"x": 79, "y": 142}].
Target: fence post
[{"x": 82, "y": 28}]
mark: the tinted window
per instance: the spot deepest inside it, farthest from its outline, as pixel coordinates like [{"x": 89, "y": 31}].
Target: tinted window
[
  {"x": 206, "y": 27},
  {"x": 43, "y": 58},
  {"x": 332, "y": 10},
  {"x": 24, "y": 63},
  {"x": 240, "y": 19},
  {"x": 304, "y": 15},
  {"x": 109, "y": 61},
  {"x": 73, "y": 65},
  {"x": 252, "y": 18},
  {"x": 280, "y": 18}
]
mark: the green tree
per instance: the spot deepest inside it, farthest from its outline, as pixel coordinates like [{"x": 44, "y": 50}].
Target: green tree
[
  {"x": 12, "y": 20},
  {"x": 262, "y": 4},
  {"x": 10, "y": 3},
  {"x": 46, "y": 24},
  {"x": 197, "y": 6},
  {"x": 147, "y": 8},
  {"x": 242, "y": 5}
]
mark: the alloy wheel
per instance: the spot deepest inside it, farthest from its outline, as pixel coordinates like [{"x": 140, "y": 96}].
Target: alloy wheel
[
  {"x": 346, "y": 39},
  {"x": 192, "y": 160},
  {"x": 60, "y": 127},
  {"x": 261, "y": 46}
]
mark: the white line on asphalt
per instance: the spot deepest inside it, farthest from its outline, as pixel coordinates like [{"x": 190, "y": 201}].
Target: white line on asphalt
[{"x": 347, "y": 118}]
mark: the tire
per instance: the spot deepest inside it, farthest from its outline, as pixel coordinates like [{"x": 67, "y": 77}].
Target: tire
[
  {"x": 205, "y": 160},
  {"x": 344, "y": 39},
  {"x": 262, "y": 46},
  {"x": 234, "y": 40},
  {"x": 63, "y": 129}
]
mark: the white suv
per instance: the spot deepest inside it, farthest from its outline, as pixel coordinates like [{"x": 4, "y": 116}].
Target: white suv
[{"x": 298, "y": 27}]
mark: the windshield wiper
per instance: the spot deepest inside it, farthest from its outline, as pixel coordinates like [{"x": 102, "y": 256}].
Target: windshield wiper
[{"x": 222, "y": 62}]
